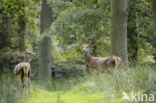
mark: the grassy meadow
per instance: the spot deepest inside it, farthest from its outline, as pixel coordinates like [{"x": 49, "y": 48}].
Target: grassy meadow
[{"x": 107, "y": 87}]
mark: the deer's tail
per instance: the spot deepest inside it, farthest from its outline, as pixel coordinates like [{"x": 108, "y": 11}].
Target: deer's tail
[
  {"x": 113, "y": 61},
  {"x": 18, "y": 69}
]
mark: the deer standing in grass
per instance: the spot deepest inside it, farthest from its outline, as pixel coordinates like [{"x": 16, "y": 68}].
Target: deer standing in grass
[
  {"x": 23, "y": 70},
  {"x": 99, "y": 63}
]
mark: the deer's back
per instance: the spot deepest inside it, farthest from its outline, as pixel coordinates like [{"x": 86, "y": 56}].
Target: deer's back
[
  {"x": 103, "y": 62},
  {"x": 23, "y": 67},
  {"x": 97, "y": 62}
]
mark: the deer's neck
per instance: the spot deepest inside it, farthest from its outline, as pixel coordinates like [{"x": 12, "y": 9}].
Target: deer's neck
[
  {"x": 88, "y": 57},
  {"x": 26, "y": 59}
]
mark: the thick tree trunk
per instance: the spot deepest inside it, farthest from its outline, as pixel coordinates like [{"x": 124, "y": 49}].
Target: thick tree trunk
[
  {"x": 45, "y": 45},
  {"x": 45, "y": 59},
  {"x": 119, "y": 29},
  {"x": 46, "y": 16},
  {"x": 21, "y": 32},
  {"x": 131, "y": 31}
]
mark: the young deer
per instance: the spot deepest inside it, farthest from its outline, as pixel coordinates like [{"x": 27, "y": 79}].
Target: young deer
[
  {"x": 99, "y": 63},
  {"x": 23, "y": 70}
]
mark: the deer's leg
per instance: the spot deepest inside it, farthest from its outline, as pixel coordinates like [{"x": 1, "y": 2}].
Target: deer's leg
[
  {"x": 20, "y": 84},
  {"x": 29, "y": 86},
  {"x": 21, "y": 80},
  {"x": 26, "y": 86},
  {"x": 28, "y": 82}
]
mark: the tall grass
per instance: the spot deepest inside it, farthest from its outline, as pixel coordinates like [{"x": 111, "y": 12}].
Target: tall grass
[
  {"x": 107, "y": 87},
  {"x": 9, "y": 92}
]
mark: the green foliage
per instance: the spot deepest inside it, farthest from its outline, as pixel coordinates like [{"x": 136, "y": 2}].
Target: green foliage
[
  {"x": 75, "y": 21},
  {"x": 145, "y": 19},
  {"x": 10, "y": 11},
  {"x": 144, "y": 54},
  {"x": 89, "y": 21},
  {"x": 7, "y": 54},
  {"x": 80, "y": 21},
  {"x": 145, "y": 27}
]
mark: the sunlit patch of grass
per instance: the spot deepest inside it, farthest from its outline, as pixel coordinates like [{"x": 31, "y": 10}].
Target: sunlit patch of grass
[{"x": 45, "y": 96}]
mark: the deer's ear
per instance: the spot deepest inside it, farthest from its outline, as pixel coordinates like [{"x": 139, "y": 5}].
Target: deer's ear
[
  {"x": 81, "y": 43},
  {"x": 89, "y": 43},
  {"x": 26, "y": 49}
]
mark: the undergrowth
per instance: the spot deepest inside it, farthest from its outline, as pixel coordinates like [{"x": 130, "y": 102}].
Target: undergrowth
[{"x": 107, "y": 87}]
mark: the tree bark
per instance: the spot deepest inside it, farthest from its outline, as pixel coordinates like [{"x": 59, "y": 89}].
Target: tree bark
[
  {"x": 131, "y": 31},
  {"x": 21, "y": 32},
  {"x": 45, "y": 45},
  {"x": 119, "y": 29},
  {"x": 46, "y": 16},
  {"x": 45, "y": 59}
]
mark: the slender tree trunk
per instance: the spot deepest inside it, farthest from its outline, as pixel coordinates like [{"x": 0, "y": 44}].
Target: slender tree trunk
[
  {"x": 21, "y": 32},
  {"x": 45, "y": 45},
  {"x": 119, "y": 29},
  {"x": 131, "y": 31}
]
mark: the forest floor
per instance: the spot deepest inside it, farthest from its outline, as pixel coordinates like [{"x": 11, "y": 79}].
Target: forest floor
[{"x": 107, "y": 87}]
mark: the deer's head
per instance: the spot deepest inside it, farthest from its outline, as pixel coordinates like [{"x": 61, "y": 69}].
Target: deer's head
[
  {"x": 85, "y": 47},
  {"x": 29, "y": 55}
]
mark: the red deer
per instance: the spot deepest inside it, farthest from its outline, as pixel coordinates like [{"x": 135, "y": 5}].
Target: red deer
[
  {"x": 23, "y": 70},
  {"x": 99, "y": 63}
]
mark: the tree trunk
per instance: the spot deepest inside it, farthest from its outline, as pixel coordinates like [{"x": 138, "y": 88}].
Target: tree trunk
[
  {"x": 4, "y": 32},
  {"x": 119, "y": 29},
  {"x": 45, "y": 45},
  {"x": 131, "y": 31},
  {"x": 45, "y": 59},
  {"x": 46, "y": 16},
  {"x": 154, "y": 12},
  {"x": 4, "y": 41},
  {"x": 21, "y": 32}
]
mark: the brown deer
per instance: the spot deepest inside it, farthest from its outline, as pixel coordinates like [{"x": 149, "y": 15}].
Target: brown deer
[
  {"x": 99, "y": 63},
  {"x": 23, "y": 70}
]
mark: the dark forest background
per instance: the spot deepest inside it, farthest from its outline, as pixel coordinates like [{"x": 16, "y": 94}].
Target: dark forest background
[{"x": 54, "y": 29}]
